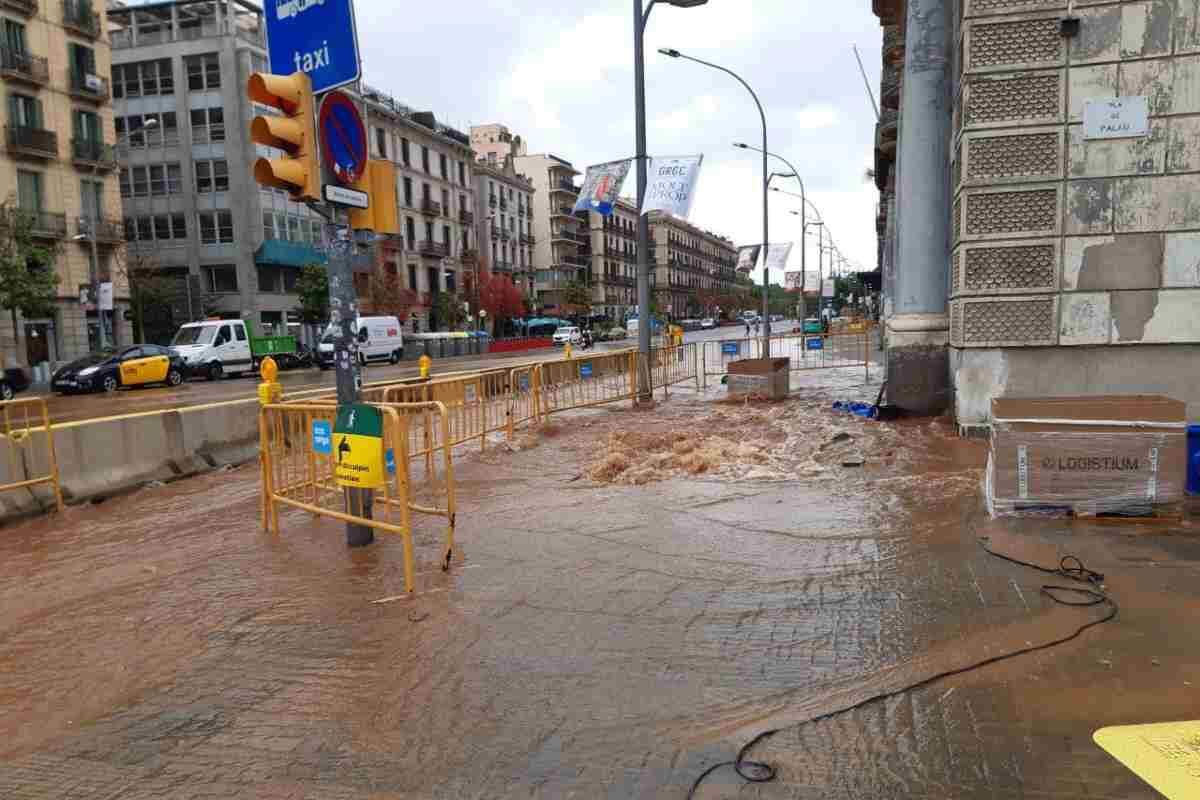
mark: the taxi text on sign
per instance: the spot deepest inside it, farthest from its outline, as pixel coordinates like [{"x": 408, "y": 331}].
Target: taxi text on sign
[
  {"x": 316, "y": 37},
  {"x": 358, "y": 447},
  {"x": 1165, "y": 755}
]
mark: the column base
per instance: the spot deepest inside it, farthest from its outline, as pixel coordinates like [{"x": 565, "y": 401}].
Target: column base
[{"x": 918, "y": 363}]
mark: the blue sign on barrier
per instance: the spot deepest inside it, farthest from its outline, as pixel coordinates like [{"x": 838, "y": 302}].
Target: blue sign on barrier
[
  {"x": 523, "y": 382},
  {"x": 730, "y": 348},
  {"x": 316, "y": 37},
  {"x": 585, "y": 370},
  {"x": 389, "y": 461},
  {"x": 322, "y": 437},
  {"x": 814, "y": 343}
]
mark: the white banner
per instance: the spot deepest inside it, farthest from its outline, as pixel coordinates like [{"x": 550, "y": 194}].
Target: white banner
[
  {"x": 827, "y": 289},
  {"x": 812, "y": 282},
  {"x": 106, "y": 296},
  {"x": 748, "y": 257},
  {"x": 777, "y": 255},
  {"x": 791, "y": 280},
  {"x": 672, "y": 185},
  {"x": 602, "y": 186}
]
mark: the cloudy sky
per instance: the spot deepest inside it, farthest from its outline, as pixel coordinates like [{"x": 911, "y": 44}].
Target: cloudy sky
[{"x": 560, "y": 74}]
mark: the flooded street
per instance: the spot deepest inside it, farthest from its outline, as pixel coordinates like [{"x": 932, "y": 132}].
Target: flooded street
[{"x": 636, "y": 595}]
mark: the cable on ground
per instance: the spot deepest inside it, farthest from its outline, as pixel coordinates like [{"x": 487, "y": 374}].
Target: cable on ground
[{"x": 1070, "y": 567}]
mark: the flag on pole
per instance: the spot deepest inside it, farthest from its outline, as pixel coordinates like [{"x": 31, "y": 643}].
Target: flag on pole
[
  {"x": 602, "y": 186},
  {"x": 671, "y": 185}
]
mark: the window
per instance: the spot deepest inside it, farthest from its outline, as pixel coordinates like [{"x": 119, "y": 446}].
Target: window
[
  {"x": 156, "y": 229},
  {"x": 405, "y": 156},
  {"x": 203, "y": 72},
  {"x": 29, "y": 190},
  {"x": 239, "y": 331},
  {"x": 24, "y": 111},
  {"x": 82, "y": 61},
  {"x": 143, "y": 79},
  {"x": 442, "y": 164},
  {"x": 446, "y": 236},
  {"x": 429, "y": 231},
  {"x": 91, "y": 195},
  {"x": 425, "y": 158},
  {"x": 412, "y": 277},
  {"x": 208, "y": 125},
  {"x": 410, "y": 231},
  {"x": 446, "y": 202},
  {"x": 212, "y": 176},
  {"x": 408, "y": 192},
  {"x": 220, "y": 278},
  {"x": 462, "y": 173},
  {"x": 425, "y": 192},
  {"x": 138, "y": 130},
  {"x": 151, "y": 180},
  {"x": 216, "y": 227},
  {"x": 381, "y": 143},
  {"x": 86, "y": 126}
]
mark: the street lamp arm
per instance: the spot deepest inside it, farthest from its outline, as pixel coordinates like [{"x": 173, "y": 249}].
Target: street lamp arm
[
  {"x": 646, "y": 13},
  {"x": 738, "y": 78}
]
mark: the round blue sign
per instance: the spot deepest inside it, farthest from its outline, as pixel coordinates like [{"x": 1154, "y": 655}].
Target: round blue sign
[{"x": 343, "y": 138}]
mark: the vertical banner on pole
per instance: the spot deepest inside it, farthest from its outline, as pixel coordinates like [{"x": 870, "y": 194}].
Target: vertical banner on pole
[{"x": 672, "y": 185}]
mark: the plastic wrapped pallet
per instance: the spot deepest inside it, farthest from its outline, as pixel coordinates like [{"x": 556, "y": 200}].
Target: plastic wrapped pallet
[{"x": 1082, "y": 456}]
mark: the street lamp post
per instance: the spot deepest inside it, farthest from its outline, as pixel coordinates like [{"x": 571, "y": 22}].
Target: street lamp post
[
  {"x": 766, "y": 309},
  {"x": 641, "y": 15}
]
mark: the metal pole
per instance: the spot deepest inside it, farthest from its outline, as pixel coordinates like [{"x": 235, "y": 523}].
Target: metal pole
[
  {"x": 867, "y": 83},
  {"x": 96, "y": 280},
  {"x": 766, "y": 191},
  {"x": 645, "y": 389},
  {"x": 343, "y": 312}
]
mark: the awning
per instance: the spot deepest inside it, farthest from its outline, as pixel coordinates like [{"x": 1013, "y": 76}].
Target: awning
[{"x": 288, "y": 254}]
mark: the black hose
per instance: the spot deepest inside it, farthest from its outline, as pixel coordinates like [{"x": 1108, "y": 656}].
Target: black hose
[{"x": 1069, "y": 567}]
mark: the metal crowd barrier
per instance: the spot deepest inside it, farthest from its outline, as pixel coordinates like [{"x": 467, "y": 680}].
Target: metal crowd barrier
[
  {"x": 808, "y": 351},
  {"x": 582, "y": 382},
  {"x": 21, "y": 418}
]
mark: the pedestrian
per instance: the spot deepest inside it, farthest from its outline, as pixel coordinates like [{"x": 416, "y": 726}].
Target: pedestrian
[
  {"x": 747, "y": 328},
  {"x": 756, "y": 327}
]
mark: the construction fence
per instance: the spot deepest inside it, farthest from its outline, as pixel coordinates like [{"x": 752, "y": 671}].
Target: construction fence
[
  {"x": 24, "y": 468},
  {"x": 811, "y": 351}
]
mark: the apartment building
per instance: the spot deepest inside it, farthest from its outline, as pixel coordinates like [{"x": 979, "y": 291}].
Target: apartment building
[
  {"x": 192, "y": 208},
  {"x": 494, "y": 142},
  {"x": 437, "y": 250},
  {"x": 614, "y": 261},
  {"x": 504, "y": 221},
  {"x": 59, "y": 171},
  {"x": 563, "y": 245},
  {"x": 694, "y": 269}
]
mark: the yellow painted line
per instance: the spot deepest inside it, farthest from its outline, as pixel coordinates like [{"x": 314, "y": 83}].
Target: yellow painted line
[{"x": 1165, "y": 755}]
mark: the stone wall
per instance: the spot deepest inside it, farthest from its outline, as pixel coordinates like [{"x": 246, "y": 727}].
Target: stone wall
[{"x": 1060, "y": 241}]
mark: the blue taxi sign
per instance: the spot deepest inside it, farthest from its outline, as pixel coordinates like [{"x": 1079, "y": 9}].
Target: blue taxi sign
[{"x": 317, "y": 37}]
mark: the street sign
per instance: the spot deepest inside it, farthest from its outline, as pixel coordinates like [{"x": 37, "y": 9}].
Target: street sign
[
  {"x": 585, "y": 370},
  {"x": 346, "y": 197},
  {"x": 814, "y": 343},
  {"x": 343, "y": 138},
  {"x": 358, "y": 447},
  {"x": 730, "y": 348},
  {"x": 322, "y": 437},
  {"x": 316, "y": 37},
  {"x": 389, "y": 461},
  {"x": 1164, "y": 755}
]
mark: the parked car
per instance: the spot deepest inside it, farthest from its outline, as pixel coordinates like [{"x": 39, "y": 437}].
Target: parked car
[
  {"x": 107, "y": 371},
  {"x": 614, "y": 334},
  {"x": 708, "y": 323},
  {"x": 569, "y": 334},
  {"x": 16, "y": 379}
]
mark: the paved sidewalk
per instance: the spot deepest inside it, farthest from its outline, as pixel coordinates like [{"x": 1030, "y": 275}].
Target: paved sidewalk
[{"x": 595, "y": 640}]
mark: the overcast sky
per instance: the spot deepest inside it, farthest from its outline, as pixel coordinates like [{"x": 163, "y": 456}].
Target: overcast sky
[{"x": 561, "y": 75}]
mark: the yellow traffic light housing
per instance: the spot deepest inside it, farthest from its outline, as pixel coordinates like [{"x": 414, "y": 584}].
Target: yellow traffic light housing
[
  {"x": 379, "y": 182},
  {"x": 295, "y": 133}
]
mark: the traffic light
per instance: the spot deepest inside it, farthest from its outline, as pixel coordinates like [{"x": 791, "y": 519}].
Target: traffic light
[
  {"x": 299, "y": 172},
  {"x": 379, "y": 182}
]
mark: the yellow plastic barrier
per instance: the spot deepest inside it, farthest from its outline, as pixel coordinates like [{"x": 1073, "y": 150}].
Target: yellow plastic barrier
[{"x": 22, "y": 418}]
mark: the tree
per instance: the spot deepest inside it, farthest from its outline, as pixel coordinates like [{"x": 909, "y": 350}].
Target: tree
[
  {"x": 500, "y": 298},
  {"x": 577, "y": 298},
  {"x": 312, "y": 287},
  {"x": 28, "y": 282},
  {"x": 450, "y": 310},
  {"x": 154, "y": 294},
  {"x": 387, "y": 295}
]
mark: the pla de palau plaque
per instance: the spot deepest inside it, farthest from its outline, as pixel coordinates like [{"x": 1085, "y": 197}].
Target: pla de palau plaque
[{"x": 1116, "y": 118}]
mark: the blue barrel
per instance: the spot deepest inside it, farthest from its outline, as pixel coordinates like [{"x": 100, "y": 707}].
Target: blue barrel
[{"x": 1193, "y": 481}]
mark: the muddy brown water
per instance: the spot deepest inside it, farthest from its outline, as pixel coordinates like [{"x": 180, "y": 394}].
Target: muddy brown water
[{"x": 592, "y": 639}]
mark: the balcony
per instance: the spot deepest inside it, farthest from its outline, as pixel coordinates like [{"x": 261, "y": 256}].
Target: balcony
[
  {"x": 433, "y": 250},
  {"x": 563, "y": 211},
  {"x": 564, "y": 185},
  {"x": 521, "y": 212},
  {"x": 44, "y": 224},
  {"x": 528, "y": 238},
  {"x": 20, "y": 66},
  {"x": 78, "y": 17},
  {"x": 466, "y": 217},
  {"x": 431, "y": 208},
  {"x": 108, "y": 231},
  {"x": 577, "y": 261},
  {"x": 893, "y": 44},
  {"x": 889, "y": 87},
  {"x": 92, "y": 88},
  {"x": 492, "y": 201},
  {"x": 505, "y": 235},
  {"x": 495, "y": 233},
  {"x": 503, "y": 204},
  {"x": 26, "y": 8},
  {"x": 91, "y": 153},
  {"x": 33, "y": 142}
]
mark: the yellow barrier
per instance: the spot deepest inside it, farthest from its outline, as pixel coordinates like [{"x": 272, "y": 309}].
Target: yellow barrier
[
  {"x": 583, "y": 382},
  {"x": 296, "y": 475},
  {"x": 675, "y": 363},
  {"x": 21, "y": 418}
]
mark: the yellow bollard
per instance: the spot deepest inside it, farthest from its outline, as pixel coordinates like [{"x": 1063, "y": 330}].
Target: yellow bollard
[
  {"x": 269, "y": 391},
  {"x": 425, "y": 362},
  {"x": 567, "y": 350}
]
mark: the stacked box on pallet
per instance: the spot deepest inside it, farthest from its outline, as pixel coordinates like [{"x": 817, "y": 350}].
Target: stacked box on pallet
[{"x": 1086, "y": 456}]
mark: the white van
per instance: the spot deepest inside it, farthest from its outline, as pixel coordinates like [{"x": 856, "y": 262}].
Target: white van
[
  {"x": 215, "y": 347},
  {"x": 379, "y": 339}
]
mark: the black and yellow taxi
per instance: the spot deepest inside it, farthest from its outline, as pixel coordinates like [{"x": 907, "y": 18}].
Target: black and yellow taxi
[{"x": 109, "y": 370}]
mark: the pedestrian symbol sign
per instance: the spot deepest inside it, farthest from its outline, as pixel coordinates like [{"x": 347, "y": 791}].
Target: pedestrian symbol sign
[
  {"x": 322, "y": 437},
  {"x": 358, "y": 447},
  {"x": 1165, "y": 755}
]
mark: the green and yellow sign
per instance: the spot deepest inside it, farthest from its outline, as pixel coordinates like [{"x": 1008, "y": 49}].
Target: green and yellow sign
[{"x": 358, "y": 447}]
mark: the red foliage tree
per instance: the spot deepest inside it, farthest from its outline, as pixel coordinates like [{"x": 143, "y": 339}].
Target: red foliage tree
[{"x": 500, "y": 297}]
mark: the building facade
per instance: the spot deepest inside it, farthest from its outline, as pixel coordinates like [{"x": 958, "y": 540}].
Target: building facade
[
  {"x": 562, "y": 253},
  {"x": 437, "y": 251},
  {"x": 494, "y": 142},
  {"x": 1072, "y": 260},
  {"x": 695, "y": 271},
  {"x": 614, "y": 262},
  {"x": 504, "y": 222},
  {"x": 59, "y": 171},
  {"x": 192, "y": 208}
]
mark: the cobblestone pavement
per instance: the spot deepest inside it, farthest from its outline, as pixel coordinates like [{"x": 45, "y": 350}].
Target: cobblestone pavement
[{"x": 594, "y": 640}]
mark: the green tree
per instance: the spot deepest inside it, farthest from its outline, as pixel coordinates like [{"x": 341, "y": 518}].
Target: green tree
[
  {"x": 313, "y": 289},
  {"x": 28, "y": 282},
  {"x": 578, "y": 297},
  {"x": 450, "y": 311}
]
